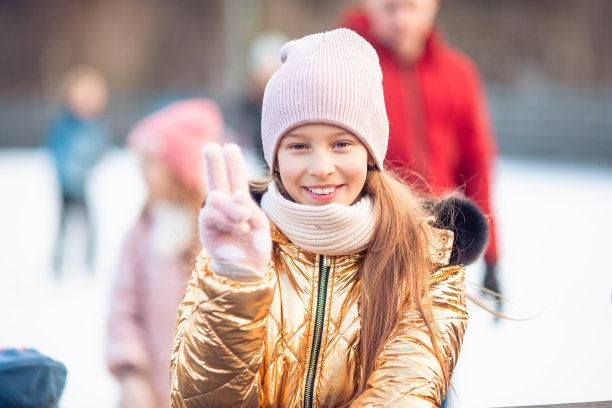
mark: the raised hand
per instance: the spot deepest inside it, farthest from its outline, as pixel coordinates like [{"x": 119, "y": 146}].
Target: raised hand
[{"x": 232, "y": 227}]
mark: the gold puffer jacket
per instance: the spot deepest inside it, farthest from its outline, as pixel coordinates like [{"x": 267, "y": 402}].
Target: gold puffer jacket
[{"x": 291, "y": 339}]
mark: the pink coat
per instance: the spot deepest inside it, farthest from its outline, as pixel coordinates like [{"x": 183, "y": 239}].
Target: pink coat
[{"x": 144, "y": 300}]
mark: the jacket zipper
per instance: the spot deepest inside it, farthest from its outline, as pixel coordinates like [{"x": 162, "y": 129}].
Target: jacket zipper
[{"x": 324, "y": 266}]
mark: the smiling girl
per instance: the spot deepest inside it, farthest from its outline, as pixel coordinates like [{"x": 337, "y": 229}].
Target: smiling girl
[{"x": 341, "y": 287}]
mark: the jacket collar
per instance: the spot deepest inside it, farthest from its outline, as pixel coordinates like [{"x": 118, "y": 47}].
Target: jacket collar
[{"x": 440, "y": 244}]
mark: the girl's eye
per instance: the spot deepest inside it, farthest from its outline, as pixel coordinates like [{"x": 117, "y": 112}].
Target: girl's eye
[
  {"x": 342, "y": 144},
  {"x": 297, "y": 146}
]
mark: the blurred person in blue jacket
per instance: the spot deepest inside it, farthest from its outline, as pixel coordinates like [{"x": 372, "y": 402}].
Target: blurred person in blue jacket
[{"x": 77, "y": 139}]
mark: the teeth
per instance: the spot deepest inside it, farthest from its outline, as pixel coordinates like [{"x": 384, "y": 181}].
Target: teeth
[{"x": 322, "y": 190}]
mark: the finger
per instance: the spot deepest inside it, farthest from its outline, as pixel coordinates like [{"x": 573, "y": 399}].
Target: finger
[
  {"x": 262, "y": 241},
  {"x": 214, "y": 165},
  {"x": 233, "y": 209},
  {"x": 236, "y": 171},
  {"x": 211, "y": 219},
  {"x": 259, "y": 221},
  {"x": 217, "y": 218},
  {"x": 257, "y": 218}
]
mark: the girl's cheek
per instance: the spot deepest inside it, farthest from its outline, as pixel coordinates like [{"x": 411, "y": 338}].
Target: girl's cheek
[
  {"x": 289, "y": 166},
  {"x": 356, "y": 166}
]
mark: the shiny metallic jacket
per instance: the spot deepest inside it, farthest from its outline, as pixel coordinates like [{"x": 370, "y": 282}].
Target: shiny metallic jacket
[{"x": 291, "y": 339}]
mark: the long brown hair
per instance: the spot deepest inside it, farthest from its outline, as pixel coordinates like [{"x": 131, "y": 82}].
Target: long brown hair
[{"x": 395, "y": 270}]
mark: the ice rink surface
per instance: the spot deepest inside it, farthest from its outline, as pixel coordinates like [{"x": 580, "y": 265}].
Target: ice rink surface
[{"x": 555, "y": 225}]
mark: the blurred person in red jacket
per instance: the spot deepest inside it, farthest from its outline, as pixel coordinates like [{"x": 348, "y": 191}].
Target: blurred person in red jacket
[{"x": 441, "y": 138}]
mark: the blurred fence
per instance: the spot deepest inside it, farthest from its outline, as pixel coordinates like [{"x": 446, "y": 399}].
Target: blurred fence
[
  {"x": 532, "y": 120},
  {"x": 559, "y": 123},
  {"x": 24, "y": 121}
]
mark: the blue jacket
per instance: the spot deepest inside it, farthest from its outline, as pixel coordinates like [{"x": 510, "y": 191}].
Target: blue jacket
[{"x": 75, "y": 144}]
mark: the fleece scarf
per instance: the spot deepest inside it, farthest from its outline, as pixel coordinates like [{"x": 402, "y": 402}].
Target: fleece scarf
[{"x": 331, "y": 229}]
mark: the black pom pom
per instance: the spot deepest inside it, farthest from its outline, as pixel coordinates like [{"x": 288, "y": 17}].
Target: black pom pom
[{"x": 468, "y": 223}]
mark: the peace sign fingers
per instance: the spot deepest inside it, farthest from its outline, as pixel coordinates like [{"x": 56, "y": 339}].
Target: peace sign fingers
[
  {"x": 236, "y": 170},
  {"x": 214, "y": 165},
  {"x": 225, "y": 168},
  {"x": 232, "y": 227}
]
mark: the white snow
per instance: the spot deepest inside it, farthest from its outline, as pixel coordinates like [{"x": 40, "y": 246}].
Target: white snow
[{"x": 554, "y": 225}]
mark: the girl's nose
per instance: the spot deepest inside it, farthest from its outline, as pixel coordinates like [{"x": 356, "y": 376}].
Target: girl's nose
[{"x": 321, "y": 165}]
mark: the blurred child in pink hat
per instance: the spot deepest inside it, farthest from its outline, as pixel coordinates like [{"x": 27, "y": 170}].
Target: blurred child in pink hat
[{"x": 153, "y": 268}]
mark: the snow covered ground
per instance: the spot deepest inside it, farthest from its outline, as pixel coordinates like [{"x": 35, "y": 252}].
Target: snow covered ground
[{"x": 554, "y": 224}]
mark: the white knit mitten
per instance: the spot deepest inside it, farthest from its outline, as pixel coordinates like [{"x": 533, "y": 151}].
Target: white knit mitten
[{"x": 233, "y": 229}]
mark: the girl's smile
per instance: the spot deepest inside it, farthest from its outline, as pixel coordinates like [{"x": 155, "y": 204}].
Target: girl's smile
[
  {"x": 322, "y": 164},
  {"x": 324, "y": 193}
]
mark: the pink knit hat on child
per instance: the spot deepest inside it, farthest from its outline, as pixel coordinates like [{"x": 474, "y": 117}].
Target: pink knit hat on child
[
  {"x": 176, "y": 133},
  {"x": 334, "y": 78}
]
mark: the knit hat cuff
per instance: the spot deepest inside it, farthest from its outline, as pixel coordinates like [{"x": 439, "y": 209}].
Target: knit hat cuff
[{"x": 329, "y": 122}]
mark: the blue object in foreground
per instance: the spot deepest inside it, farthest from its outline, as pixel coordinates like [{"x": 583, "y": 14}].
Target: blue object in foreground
[{"x": 30, "y": 379}]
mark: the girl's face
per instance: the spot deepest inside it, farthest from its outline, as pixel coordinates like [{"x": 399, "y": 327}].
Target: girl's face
[
  {"x": 161, "y": 183},
  {"x": 322, "y": 164}
]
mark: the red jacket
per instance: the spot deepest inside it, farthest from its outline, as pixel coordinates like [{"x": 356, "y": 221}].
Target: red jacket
[{"x": 439, "y": 122}]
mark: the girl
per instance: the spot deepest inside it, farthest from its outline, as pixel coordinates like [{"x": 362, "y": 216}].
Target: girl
[
  {"x": 341, "y": 289},
  {"x": 152, "y": 273}
]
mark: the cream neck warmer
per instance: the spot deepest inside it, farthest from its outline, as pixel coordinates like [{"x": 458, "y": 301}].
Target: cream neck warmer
[{"x": 331, "y": 229}]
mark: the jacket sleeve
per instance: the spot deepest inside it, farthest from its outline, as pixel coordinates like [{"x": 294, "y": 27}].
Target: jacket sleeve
[
  {"x": 219, "y": 340},
  {"x": 478, "y": 150},
  {"x": 126, "y": 348},
  {"x": 407, "y": 374}
]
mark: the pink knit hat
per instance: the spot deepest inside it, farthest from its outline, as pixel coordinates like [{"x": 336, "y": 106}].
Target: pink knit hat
[
  {"x": 176, "y": 133},
  {"x": 334, "y": 78}
]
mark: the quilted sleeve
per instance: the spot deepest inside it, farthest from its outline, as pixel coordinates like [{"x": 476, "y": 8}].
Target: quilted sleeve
[
  {"x": 407, "y": 374},
  {"x": 219, "y": 340}
]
